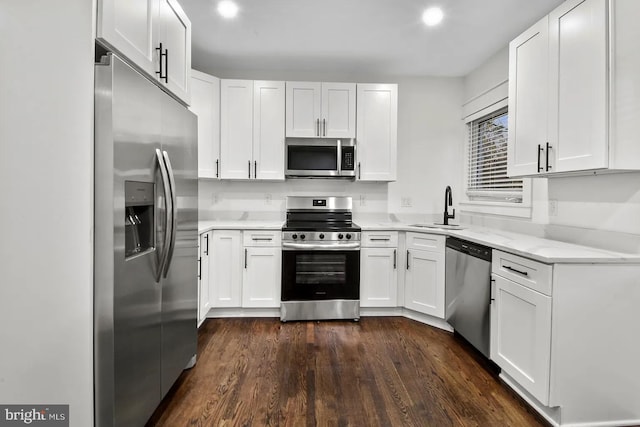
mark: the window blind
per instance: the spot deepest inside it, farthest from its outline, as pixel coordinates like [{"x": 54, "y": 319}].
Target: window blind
[{"x": 487, "y": 168}]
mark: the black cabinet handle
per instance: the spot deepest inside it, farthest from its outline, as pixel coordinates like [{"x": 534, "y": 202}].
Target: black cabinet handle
[
  {"x": 547, "y": 156},
  {"x": 255, "y": 169},
  {"x": 317, "y": 127},
  {"x": 164, "y": 55},
  {"x": 217, "y": 168},
  {"x": 395, "y": 259},
  {"x": 507, "y": 267},
  {"x": 539, "y": 150},
  {"x": 324, "y": 125},
  {"x": 359, "y": 171},
  {"x": 199, "y": 268},
  {"x": 491, "y": 298},
  {"x": 249, "y": 165},
  {"x": 375, "y": 239},
  {"x": 407, "y": 260},
  {"x": 206, "y": 248},
  {"x": 245, "y": 258}
]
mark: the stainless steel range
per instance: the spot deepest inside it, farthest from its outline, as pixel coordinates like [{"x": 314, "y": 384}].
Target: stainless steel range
[{"x": 320, "y": 260}]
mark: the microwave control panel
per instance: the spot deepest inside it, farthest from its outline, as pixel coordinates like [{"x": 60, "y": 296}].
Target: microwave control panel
[{"x": 348, "y": 159}]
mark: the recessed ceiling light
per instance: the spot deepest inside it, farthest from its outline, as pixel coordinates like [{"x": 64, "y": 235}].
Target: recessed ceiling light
[
  {"x": 227, "y": 9},
  {"x": 432, "y": 16}
]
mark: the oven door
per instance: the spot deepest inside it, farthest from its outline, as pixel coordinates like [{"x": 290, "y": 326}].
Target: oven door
[{"x": 309, "y": 275}]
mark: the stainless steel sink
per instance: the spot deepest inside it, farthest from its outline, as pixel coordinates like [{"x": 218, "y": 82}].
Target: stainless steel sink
[{"x": 436, "y": 225}]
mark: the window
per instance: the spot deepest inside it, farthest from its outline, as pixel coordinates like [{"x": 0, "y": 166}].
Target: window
[{"x": 487, "y": 178}]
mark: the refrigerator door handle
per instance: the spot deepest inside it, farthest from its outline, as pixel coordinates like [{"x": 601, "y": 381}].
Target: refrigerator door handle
[
  {"x": 174, "y": 212},
  {"x": 168, "y": 216}
]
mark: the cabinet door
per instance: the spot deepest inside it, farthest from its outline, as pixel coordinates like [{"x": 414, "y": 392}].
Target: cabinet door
[
  {"x": 261, "y": 277},
  {"x": 338, "y": 119},
  {"x": 131, "y": 28},
  {"x": 378, "y": 277},
  {"x": 424, "y": 282},
  {"x": 205, "y": 103},
  {"x": 176, "y": 39},
  {"x": 303, "y": 109},
  {"x": 203, "y": 277},
  {"x": 377, "y": 132},
  {"x": 528, "y": 69},
  {"x": 268, "y": 130},
  {"x": 236, "y": 129},
  {"x": 225, "y": 272},
  {"x": 521, "y": 335},
  {"x": 578, "y": 95}
]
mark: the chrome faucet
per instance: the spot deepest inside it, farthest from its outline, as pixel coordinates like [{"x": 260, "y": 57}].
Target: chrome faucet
[{"x": 448, "y": 201}]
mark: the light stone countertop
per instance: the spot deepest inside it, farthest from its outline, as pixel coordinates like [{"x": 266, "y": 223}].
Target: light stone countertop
[{"x": 540, "y": 249}]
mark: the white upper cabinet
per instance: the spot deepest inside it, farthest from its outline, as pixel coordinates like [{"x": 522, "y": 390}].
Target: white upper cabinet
[
  {"x": 377, "y": 132},
  {"x": 155, "y": 35},
  {"x": 236, "y": 129},
  {"x": 176, "y": 42},
  {"x": 132, "y": 28},
  {"x": 590, "y": 110},
  {"x": 251, "y": 130},
  {"x": 268, "y": 130},
  {"x": 303, "y": 109},
  {"x": 528, "y": 69},
  {"x": 205, "y": 103},
  {"x": 320, "y": 110},
  {"x": 578, "y": 132}
]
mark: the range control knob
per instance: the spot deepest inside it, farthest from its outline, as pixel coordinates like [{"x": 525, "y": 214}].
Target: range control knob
[
  {"x": 348, "y": 236},
  {"x": 302, "y": 236},
  {"x": 340, "y": 236},
  {"x": 294, "y": 236},
  {"x": 321, "y": 236}
]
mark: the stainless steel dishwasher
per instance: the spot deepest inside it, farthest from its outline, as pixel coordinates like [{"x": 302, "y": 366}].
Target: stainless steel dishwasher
[{"x": 468, "y": 291}]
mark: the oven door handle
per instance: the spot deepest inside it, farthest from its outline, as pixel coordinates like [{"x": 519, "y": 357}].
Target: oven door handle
[{"x": 287, "y": 246}]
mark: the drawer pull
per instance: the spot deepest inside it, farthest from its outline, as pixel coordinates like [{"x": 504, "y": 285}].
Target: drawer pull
[
  {"x": 262, "y": 239},
  {"x": 375, "y": 239},
  {"x": 507, "y": 267}
]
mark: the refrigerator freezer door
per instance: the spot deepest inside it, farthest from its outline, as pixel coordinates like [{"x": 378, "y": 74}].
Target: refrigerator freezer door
[
  {"x": 127, "y": 299},
  {"x": 179, "y": 288}
]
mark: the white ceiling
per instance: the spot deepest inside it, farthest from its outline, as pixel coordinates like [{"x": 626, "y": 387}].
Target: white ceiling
[{"x": 371, "y": 37}]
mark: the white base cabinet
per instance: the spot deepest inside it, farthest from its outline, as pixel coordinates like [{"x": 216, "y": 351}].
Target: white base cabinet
[
  {"x": 424, "y": 275},
  {"x": 262, "y": 269},
  {"x": 379, "y": 269},
  {"x": 561, "y": 333},
  {"x": 521, "y": 335},
  {"x": 204, "y": 259},
  {"x": 225, "y": 273}
]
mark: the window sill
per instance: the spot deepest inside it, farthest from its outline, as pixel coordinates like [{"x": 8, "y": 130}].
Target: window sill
[{"x": 520, "y": 210}]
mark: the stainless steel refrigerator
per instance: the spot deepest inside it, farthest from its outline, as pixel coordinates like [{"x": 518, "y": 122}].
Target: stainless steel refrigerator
[{"x": 146, "y": 216}]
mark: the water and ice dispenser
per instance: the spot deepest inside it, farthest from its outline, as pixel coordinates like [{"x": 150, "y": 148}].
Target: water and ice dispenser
[{"x": 138, "y": 217}]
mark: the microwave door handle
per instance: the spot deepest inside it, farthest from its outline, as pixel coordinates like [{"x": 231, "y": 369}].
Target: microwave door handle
[
  {"x": 339, "y": 152},
  {"x": 167, "y": 217},
  {"x": 174, "y": 212}
]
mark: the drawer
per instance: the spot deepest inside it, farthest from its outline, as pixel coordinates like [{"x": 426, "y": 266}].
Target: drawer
[
  {"x": 524, "y": 271},
  {"x": 262, "y": 238},
  {"x": 426, "y": 242},
  {"x": 379, "y": 239}
]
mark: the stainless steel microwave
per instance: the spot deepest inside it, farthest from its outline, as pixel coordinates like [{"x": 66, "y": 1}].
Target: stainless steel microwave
[{"x": 326, "y": 158}]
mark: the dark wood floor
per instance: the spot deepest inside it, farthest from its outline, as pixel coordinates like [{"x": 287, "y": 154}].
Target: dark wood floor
[{"x": 381, "y": 371}]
